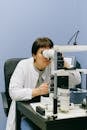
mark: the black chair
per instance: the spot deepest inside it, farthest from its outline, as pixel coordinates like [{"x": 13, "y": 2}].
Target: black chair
[{"x": 9, "y": 68}]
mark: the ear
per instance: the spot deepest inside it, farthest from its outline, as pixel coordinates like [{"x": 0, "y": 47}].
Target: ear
[{"x": 34, "y": 56}]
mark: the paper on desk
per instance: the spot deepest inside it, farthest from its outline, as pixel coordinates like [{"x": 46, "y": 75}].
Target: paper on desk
[{"x": 76, "y": 112}]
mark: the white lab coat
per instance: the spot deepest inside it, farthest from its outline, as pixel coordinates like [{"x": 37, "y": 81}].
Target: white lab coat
[{"x": 22, "y": 81}]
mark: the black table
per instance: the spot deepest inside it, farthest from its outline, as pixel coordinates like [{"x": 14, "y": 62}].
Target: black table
[{"x": 76, "y": 123}]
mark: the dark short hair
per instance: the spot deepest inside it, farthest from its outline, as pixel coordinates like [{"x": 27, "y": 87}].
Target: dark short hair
[{"x": 41, "y": 43}]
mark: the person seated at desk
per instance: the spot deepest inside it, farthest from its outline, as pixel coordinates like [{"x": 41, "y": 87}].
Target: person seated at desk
[{"x": 24, "y": 83}]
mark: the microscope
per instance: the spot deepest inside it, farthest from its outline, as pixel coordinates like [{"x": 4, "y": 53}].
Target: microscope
[
  {"x": 60, "y": 84},
  {"x": 59, "y": 79}
]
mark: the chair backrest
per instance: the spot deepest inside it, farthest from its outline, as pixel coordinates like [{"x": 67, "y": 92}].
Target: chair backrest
[{"x": 9, "y": 68}]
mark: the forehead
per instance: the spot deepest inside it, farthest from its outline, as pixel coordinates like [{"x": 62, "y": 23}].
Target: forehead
[{"x": 43, "y": 48}]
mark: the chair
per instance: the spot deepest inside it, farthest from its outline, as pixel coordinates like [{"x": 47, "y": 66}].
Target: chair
[{"x": 9, "y": 68}]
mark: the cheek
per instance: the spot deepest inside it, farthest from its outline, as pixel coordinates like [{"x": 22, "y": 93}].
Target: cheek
[{"x": 38, "y": 59}]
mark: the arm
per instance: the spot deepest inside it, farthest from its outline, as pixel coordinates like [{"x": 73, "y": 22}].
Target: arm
[
  {"x": 74, "y": 78},
  {"x": 74, "y": 75},
  {"x": 18, "y": 90},
  {"x": 22, "y": 84},
  {"x": 41, "y": 90}
]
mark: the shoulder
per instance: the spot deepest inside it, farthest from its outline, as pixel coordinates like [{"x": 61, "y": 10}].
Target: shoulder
[{"x": 26, "y": 63}]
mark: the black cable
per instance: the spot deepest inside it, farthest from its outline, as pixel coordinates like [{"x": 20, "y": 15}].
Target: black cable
[{"x": 75, "y": 35}]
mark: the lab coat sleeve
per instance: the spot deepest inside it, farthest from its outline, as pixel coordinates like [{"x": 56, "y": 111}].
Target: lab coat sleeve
[
  {"x": 74, "y": 78},
  {"x": 11, "y": 120},
  {"x": 18, "y": 90}
]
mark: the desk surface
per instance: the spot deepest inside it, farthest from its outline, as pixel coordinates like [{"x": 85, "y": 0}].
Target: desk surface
[
  {"x": 77, "y": 123},
  {"x": 74, "y": 112}
]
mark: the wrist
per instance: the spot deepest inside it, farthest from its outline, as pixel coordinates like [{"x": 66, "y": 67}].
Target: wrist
[
  {"x": 36, "y": 92},
  {"x": 39, "y": 89}
]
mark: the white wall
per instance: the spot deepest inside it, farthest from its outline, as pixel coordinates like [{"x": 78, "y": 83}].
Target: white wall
[{"x": 22, "y": 21}]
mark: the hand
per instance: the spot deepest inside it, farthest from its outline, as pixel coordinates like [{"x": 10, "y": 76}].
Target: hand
[{"x": 43, "y": 88}]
